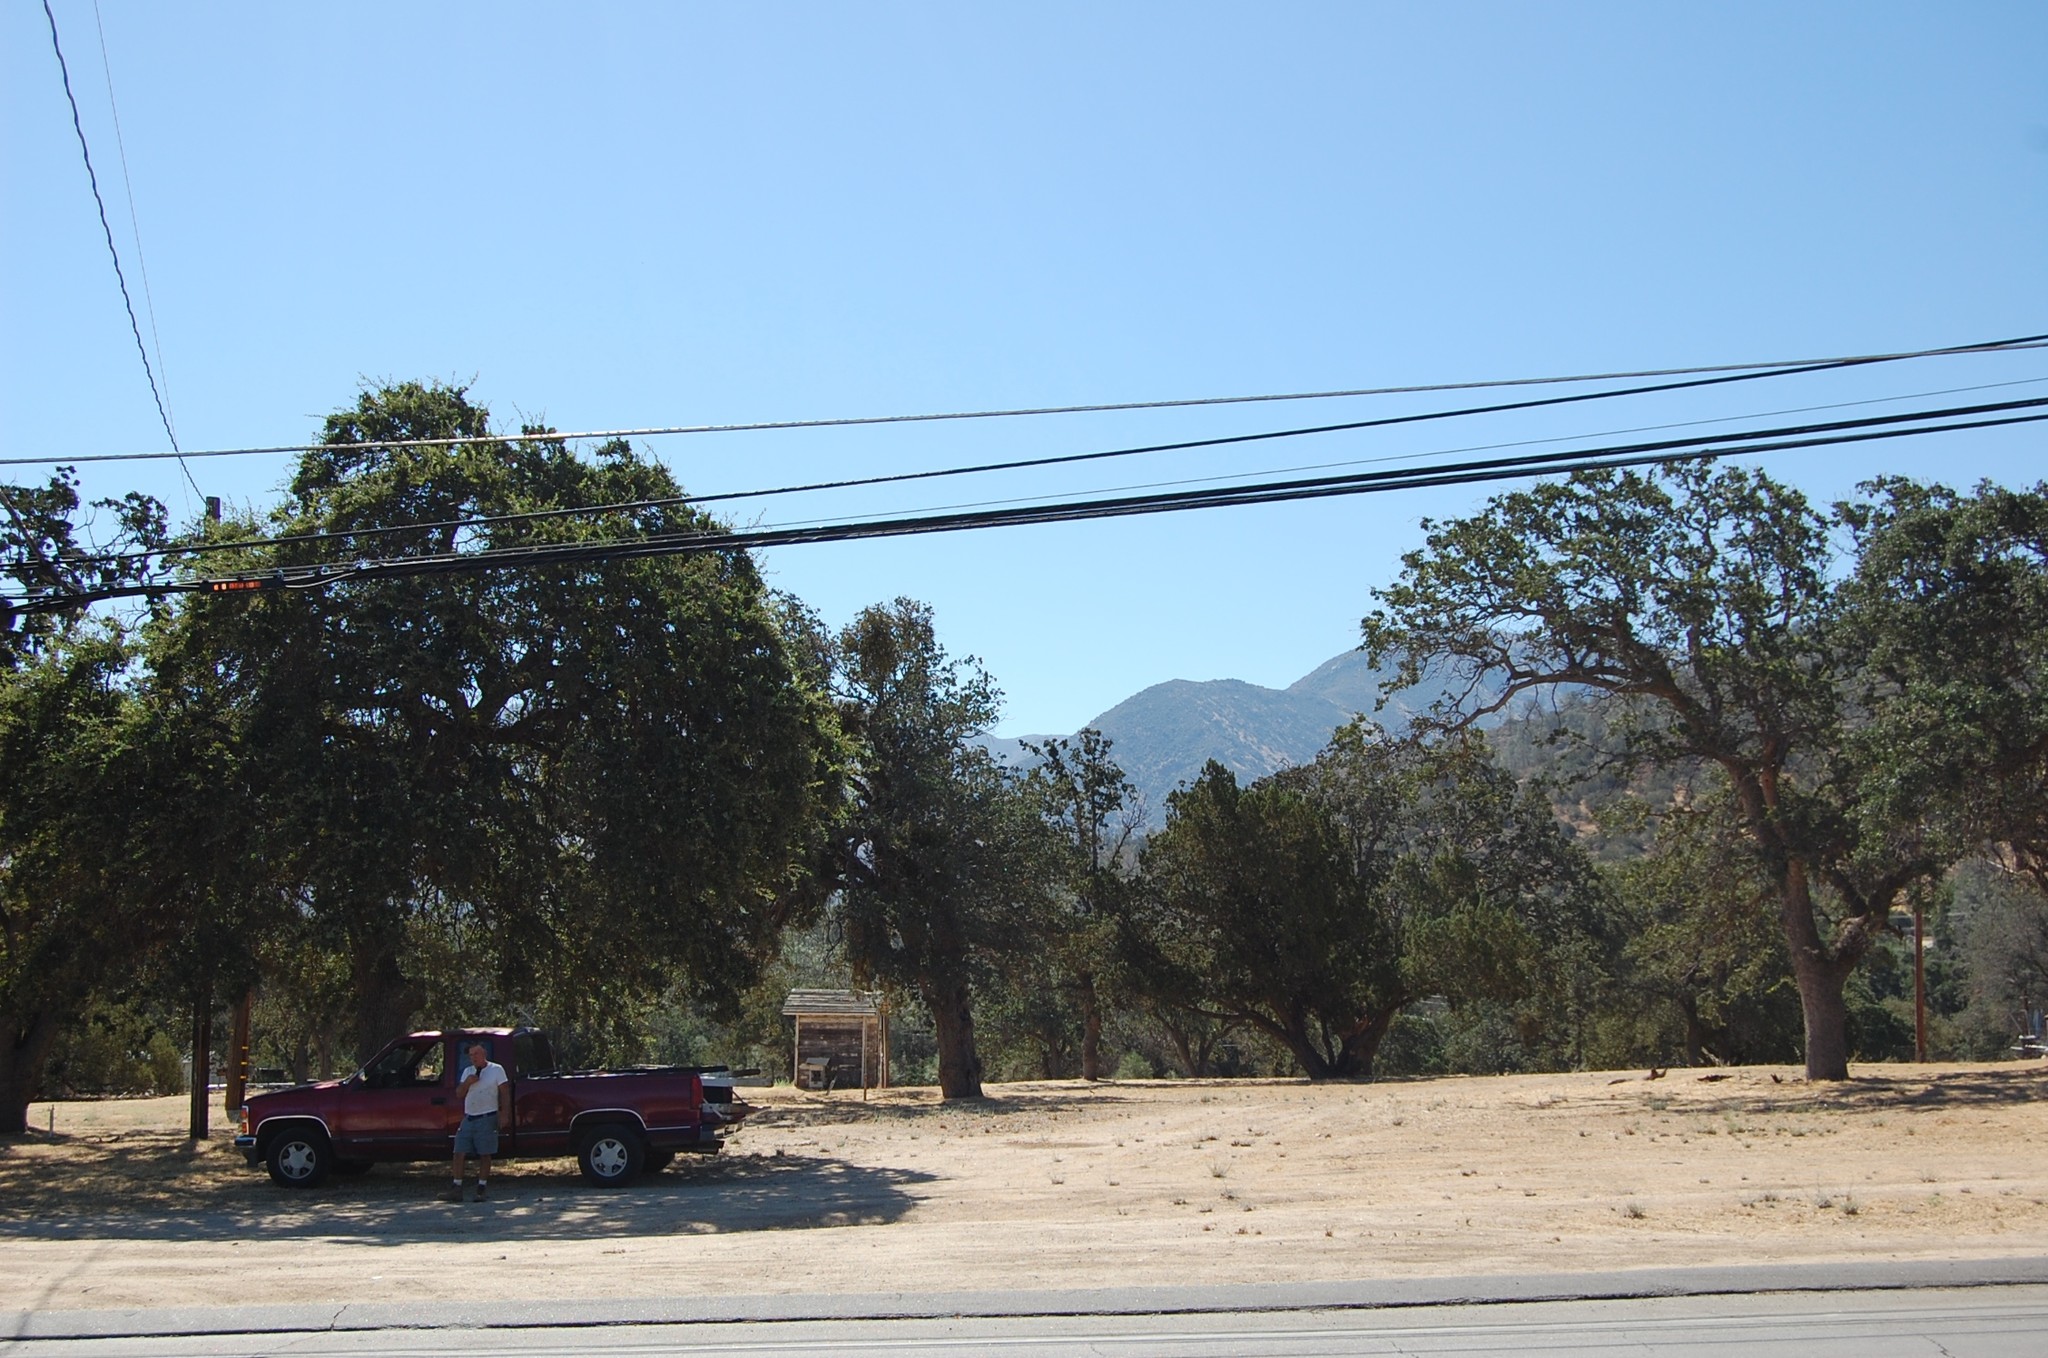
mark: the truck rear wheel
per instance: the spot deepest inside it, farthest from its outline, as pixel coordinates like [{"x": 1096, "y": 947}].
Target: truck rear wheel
[
  {"x": 611, "y": 1156},
  {"x": 299, "y": 1157}
]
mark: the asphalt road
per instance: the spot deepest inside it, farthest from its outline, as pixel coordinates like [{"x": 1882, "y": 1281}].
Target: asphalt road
[
  {"x": 1987, "y": 1322},
  {"x": 1754, "y": 1313}
]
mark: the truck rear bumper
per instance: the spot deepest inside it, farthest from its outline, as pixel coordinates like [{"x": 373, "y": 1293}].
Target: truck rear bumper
[{"x": 703, "y": 1140}]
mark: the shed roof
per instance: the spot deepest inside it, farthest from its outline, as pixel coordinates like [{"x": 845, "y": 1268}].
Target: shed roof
[{"x": 851, "y": 1003}]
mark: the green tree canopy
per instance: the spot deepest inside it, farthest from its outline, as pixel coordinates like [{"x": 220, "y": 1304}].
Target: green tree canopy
[
  {"x": 1095, "y": 815},
  {"x": 1701, "y": 599},
  {"x": 1950, "y": 605},
  {"x": 594, "y": 777},
  {"x": 938, "y": 861},
  {"x": 1315, "y": 905},
  {"x": 66, "y": 908}
]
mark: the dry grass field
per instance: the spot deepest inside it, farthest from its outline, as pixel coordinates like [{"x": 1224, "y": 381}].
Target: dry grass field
[{"x": 1066, "y": 1185}]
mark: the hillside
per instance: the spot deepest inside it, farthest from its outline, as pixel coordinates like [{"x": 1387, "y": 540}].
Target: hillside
[{"x": 1164, "y": 734}]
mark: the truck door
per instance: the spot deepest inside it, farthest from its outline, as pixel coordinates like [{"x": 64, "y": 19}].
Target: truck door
[{"x": 402, "y": 1104}]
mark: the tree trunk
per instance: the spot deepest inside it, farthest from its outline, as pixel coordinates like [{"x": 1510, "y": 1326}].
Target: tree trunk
[
  {"x": 1827, "y": 1019},
  {"x": 1191, "y": 1065},
  {"x": 1363, "y": 1047},
  {"x": 1821, "y": 976},
  {"x": 953, "y": 1024},
  {"x": 21, "y": 1070},
  {"x": 385, "y": 998},
  {"x": 1695, "y": 1031},
  {"x": 1312, "y": 1061},
  {"x": 1091, "y": 1029},
  {"x": 1353, "y": 1058}
]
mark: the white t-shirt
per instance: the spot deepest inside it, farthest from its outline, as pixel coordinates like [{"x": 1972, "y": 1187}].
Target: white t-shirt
[{"x": 480, "y": 1088}]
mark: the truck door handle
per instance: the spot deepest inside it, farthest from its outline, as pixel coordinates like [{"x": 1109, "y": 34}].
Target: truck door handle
[{"x": 439, "y": 1102}]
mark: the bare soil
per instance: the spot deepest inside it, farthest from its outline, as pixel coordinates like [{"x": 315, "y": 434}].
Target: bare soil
[{"x": 1069, "y": 1185}]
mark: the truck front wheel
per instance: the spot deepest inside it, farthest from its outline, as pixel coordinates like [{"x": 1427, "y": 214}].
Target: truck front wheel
[
  {"x": 299, "y": 1157},
  {"x": 611, "y": 1155}
]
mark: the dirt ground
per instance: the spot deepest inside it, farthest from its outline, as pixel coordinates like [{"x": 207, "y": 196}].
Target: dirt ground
[{"x": 1066, "y": 1185}]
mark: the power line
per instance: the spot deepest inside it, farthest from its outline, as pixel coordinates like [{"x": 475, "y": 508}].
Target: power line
[
  {"x": 1227, "y": 477},
  {"x": 1077, "y": 511},
  {"x": 134, "y": 222},
  {"x": 1267, "y": 492},
  {"x": 64, "y": 70},
  {"x": 2020, "y": 343},
  {"x": 626, "y": 506},
  {"x": 315, "y": 576}
]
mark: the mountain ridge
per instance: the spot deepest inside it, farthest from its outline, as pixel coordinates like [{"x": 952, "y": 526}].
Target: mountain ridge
[{"x": 1162, "y": 735}]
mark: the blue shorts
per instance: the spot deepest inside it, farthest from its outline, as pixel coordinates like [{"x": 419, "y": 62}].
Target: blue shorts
[{"x": 477, "y": 1135}]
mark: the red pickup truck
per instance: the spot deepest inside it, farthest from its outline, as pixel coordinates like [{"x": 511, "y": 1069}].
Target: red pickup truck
[{"x": 403, "y": 1106}]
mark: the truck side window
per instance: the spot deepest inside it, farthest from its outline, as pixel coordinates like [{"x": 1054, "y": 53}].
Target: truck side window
[{"x": 531, "y": 1055}]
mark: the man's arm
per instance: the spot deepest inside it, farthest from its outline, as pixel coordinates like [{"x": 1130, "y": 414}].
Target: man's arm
[{"x": 505, "y": 1100}]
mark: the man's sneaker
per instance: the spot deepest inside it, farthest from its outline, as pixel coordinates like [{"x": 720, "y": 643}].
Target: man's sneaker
[
  {"x": 455, "y": 1192},
  {"x": 482, "y": 1189}
]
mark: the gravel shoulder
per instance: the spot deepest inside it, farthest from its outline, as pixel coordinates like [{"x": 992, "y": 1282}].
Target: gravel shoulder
[{"x": 1064, "y": 1185}]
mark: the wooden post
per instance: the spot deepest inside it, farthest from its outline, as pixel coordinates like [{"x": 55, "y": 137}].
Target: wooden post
[
  {"x": 196, "y": 1126},
  {"x": 796, "y": 1055},
  {"x": 863, "y": 1059},
  {"x": 1919, "y": 983},
  {"x": 238, "y": 1056}
]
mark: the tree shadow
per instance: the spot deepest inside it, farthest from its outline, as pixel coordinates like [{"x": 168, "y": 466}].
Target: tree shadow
[
  {"x": 1871, "y": 1089},
  {"x": 1038, "y": 1100},
  {"x": 530, "y": 1200}
]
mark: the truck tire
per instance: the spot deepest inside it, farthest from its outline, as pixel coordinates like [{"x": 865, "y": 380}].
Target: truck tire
[
  {"x": 611, "y": 1155},
  {"x": 299, "y": 1157}
]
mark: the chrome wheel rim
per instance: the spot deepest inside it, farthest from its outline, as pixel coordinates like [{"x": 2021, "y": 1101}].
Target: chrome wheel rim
[
  {"x": 296, "y": 1160},
  {"x": 608, "y": 1157}
]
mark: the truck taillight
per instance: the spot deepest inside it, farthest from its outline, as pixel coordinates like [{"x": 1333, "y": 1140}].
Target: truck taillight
[{"x": 245, "y": 1119}]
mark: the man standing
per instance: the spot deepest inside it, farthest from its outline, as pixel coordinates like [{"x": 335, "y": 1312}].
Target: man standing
[{"x": 486, "y": 1098}]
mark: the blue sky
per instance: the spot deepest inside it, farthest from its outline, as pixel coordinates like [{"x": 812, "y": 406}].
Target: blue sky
[{"x": 623, "y": 215}]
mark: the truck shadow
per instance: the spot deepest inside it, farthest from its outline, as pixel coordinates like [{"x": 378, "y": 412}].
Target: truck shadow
[{"x": 535, "y": 1200}]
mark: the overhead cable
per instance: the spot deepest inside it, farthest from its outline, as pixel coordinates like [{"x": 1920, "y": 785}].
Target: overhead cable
[
  {"x": 128, "y": 302},
  {"x": 322, "y": 575},
  {"x": 897, "y": 478},
  {"x": 1521, "y": 464},
  {"x": 2018, "y": 343},
  {"x": 134, "y": 220}
]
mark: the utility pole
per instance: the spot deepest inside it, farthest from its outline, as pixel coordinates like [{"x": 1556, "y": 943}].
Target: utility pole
[
  {"x": 1919, "y": 980},
  {"x": 238, "y": 1055},
  {"x": 197, "y": 1123},
  {"x": 202, "y": 1060}
]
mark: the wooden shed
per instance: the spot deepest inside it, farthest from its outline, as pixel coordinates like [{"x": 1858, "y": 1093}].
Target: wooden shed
[{"x": 842, "y": 1039}]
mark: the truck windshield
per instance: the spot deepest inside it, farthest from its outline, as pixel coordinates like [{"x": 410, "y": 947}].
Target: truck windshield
[{"x": 411, "y": 1064}]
